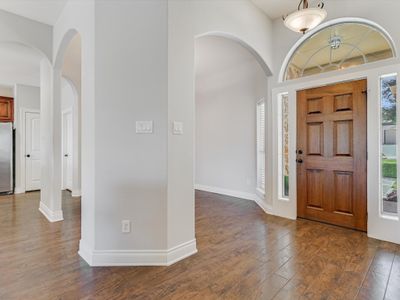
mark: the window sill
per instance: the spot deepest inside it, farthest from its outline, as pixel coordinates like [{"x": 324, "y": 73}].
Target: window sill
[
  {"x": 284, "y": 199},
  {"x": 390, "y": 217}
]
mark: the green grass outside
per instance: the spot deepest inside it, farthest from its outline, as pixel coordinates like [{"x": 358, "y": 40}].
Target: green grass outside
[
  {"x": 389, "y": 168},
  {"x": 286, "y": 185}
]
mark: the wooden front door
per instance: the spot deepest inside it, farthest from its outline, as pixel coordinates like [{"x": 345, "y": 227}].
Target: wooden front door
[{"x": 332, "y": 154}]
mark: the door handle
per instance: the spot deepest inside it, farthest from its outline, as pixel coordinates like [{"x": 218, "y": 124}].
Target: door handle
[
  {"x": 28, "y": 155},
  {"x": 65, "y": 155},
  {"x": 300, "y": 161}
]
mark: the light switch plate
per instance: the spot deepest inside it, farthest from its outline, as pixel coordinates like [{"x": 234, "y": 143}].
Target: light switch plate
[
  {"x": 177, "y": 128},
  {"x": 144, "y": 127},
  {"x": 126, "y": 226}
]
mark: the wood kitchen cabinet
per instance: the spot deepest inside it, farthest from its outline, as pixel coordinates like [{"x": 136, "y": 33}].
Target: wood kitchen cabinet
[{"x": 6, "y": 109}]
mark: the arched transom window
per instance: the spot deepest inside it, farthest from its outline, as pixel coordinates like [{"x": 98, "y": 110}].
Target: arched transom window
[{"x": 337, "y": 47}]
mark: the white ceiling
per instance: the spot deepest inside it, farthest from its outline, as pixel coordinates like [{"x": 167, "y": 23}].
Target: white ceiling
[
  {"x": 277, "y": 8},
  {"x": 48, "y": 11},
  {"x": 44, "y": 11}
]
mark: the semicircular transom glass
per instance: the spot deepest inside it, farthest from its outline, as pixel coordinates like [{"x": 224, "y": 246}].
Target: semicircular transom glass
[{"x": 339, "y": 47}]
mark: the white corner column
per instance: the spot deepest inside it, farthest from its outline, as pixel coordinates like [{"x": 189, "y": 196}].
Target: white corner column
[
  {"x": 76, "y": 173},
  {"x": 50, "y": 142}
]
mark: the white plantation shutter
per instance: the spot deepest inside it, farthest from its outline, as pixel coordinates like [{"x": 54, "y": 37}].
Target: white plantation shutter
[{"x": 261, "y": 146}]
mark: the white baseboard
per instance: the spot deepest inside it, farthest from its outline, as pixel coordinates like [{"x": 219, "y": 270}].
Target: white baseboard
[
  {"x": 181, "y": 251},
  {"x": 85, "y": 252},
  {"x": 52, "y": 216},
  {"x": 237, "y": 194},
  {"x": 384, "y": 236},
  {"x": 76, "y": 193},
  {"x": 104, "y": 258},
  {"x": 19, "y": 190},
  {"x": 265, "y": 207},
  {"x": 227, "y": 192}
]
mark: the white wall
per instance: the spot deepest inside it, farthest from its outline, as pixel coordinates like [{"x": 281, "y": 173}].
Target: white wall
[
  {"x": 19, "y": 64},
  {"x": 6, "y": 91},
  {"x": 188, "y": 19},
  {"x": 18, "y": 29},
  {"x": 67, "y": 95},
  {"x": 229, "y": 83},
  {"x": 72, "y": 65},
  {"x": 25, "y": 98},
  {"x": 131, "y": 85}
]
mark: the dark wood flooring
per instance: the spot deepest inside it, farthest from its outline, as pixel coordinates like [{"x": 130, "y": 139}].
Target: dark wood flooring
[{"x": 243, "y": 254}]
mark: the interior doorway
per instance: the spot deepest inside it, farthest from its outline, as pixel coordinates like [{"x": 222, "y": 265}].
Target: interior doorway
[
  {"x": 332, "y": 154},
  {"x": 67, "y": 150},
  {"x": 230, "y": 107},
  {"x": 71, "y": 117},
  {"x": 32, "y": 151}
]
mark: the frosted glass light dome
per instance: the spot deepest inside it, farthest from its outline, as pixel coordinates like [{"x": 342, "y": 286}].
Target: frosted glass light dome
[{"x": 305, "y": 19}]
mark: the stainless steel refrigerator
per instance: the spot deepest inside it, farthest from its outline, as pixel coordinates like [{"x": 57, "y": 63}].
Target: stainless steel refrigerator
[{"x": 6, "y": 158}]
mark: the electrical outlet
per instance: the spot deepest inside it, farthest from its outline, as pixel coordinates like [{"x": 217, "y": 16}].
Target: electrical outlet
[{"x": 126, "y": 226}]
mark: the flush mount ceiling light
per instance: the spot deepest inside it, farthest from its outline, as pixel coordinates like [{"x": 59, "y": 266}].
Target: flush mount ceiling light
[{"x": 305, "y": 18}]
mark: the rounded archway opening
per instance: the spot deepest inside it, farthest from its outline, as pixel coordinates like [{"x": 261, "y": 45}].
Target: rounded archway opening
[
  {"x": 68, "y": 63},
  {"x": 20, "y": 92},
  {"x": 231, "y": 81},
  {"x": 337, "y": 45},
  {"x": 70, "y": 131}
]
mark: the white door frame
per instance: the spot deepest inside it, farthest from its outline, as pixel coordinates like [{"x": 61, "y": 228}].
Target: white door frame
[
  {"x": 379, "y": 226},
  {"x": 63, "y": 113},
  {"x": 22, "y": 128}
]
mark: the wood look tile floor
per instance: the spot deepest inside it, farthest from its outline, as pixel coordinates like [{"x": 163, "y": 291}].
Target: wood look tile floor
[{"x": 243, "y": 254}]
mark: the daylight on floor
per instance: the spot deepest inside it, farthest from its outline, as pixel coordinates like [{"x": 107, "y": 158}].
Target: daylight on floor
[{"x": 199, "y": 149}]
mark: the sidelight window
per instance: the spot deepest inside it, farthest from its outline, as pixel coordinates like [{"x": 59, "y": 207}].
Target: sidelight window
[
  {"x": 283, "y": 108},
  {"x": 388, "y": 98},
  {"x": 261, "y": 146}
]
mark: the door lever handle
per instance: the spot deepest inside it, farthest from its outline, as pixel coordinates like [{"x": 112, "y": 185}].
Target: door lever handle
[
  {"x": 65, "y": 155},
  {"x": 300, "y": 161},
  {"x": 28, "y": 155}
]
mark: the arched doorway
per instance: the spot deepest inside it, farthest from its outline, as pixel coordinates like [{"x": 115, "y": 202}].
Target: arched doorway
[
  {"x": 70, "y": 108},
  {"x": 231, "y": 92},
  {"x": 20, "y": 82},
  {"x": 67, "y": 129}
]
